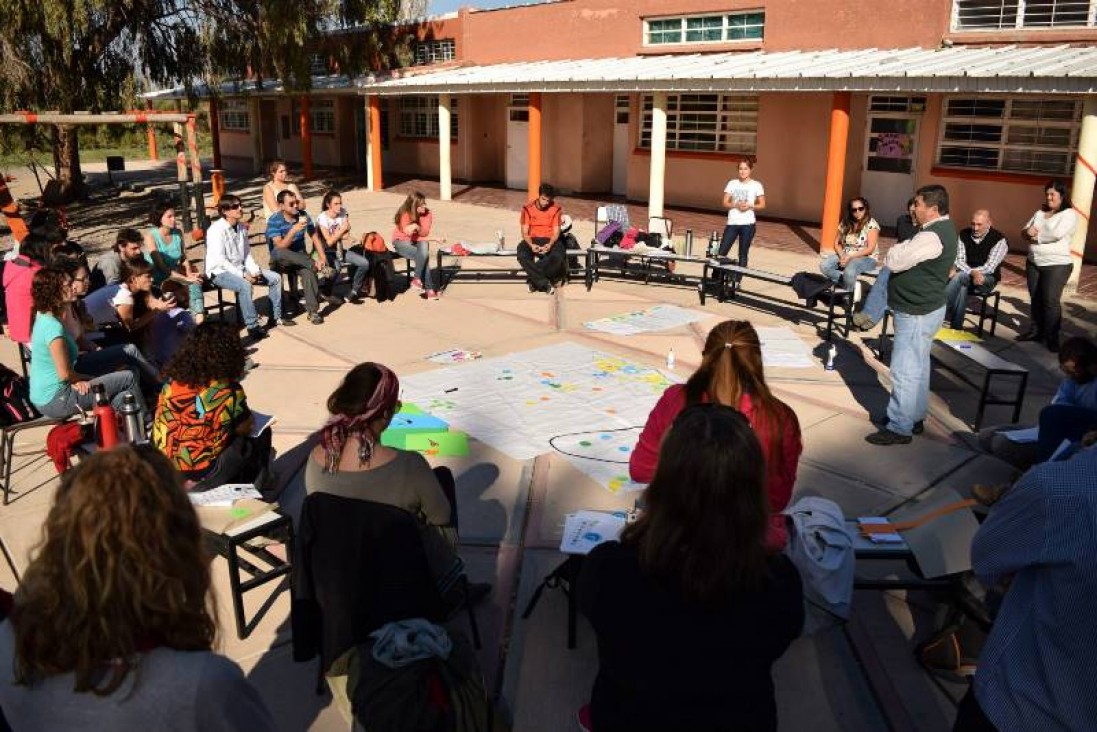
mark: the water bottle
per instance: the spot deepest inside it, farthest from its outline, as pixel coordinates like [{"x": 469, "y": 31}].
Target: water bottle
[
  {"x": 500, "y": 239},
  {"x": 132, "y": 421},
  {"x": 670, "y": 359},
  {"x": 689, "y": 243},
  {"x": 714, "y": 244},
  {"x": 106, "y": 421},
  {"x": 831, "y": 353}
]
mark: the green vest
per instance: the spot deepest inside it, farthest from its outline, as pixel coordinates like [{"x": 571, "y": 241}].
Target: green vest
[{"x": 921, "y": 289}]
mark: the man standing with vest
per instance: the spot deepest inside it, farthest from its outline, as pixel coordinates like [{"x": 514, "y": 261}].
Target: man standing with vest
[
  {"x": 979, "y": 256},
  {"x": 916, "y": 293}
]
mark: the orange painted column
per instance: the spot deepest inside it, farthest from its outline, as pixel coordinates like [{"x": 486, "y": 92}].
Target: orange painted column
[
  {"x": 306, "y": 138},
  {"x": 154, "y": 154},
  {"x": 376, "y": 181},
  {"x": 534, "y": 165},
  {"x": 836, "y": 168},
  {"x": 215, "y": 132}
]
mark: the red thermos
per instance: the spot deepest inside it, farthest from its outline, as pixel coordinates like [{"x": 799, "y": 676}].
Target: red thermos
[{"x": 106, "y": 421}]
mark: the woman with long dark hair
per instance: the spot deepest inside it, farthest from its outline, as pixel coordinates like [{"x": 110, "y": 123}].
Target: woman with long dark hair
[
  {"x": 112, "y": 626},
  {"x": 854, "y": 247},
  {"x": 690, "y": 608},
  {"x": 1049, "y": 264},
  {"x": 413, "y": 223},
  {"x": 165, "y": 251},
  {"x": 731, "y": 374}
]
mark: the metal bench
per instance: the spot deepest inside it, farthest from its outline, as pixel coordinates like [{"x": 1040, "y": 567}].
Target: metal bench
[
  {"x": 646, "y": 258},
  {"x": 725, "y": 279},
  {"x": 994, "y": 367},
  {"x": 446, "y": 275}
]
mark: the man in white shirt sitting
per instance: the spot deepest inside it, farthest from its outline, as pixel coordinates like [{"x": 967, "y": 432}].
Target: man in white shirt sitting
[{"x": 230, "y": 265}]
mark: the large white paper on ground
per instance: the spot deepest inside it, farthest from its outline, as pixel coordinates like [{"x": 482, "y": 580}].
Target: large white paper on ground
[
  {"x": 782, "y": 348},
  {"x": 660, "y": 317},
  {"x": 519, "y": 402}
]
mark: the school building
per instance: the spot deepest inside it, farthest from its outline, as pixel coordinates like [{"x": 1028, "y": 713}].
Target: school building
[{"x": 657, "y": 100}]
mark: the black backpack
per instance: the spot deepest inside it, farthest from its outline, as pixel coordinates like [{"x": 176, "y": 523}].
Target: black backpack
[
  {"x": 383, "y": 272},
  {"x": 15, "y": 404}
]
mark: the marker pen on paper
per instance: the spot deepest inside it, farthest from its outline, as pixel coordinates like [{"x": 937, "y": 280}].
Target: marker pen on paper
[{"x": 449, "y": 391}]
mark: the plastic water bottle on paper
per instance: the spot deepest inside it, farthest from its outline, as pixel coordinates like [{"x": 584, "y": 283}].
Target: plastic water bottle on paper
[
  {"x": 670, "y": 359},
  {"x": 106, "y": 421},
  {"x": 831, "y": 353},
  {"x": 132, "y": 421}
]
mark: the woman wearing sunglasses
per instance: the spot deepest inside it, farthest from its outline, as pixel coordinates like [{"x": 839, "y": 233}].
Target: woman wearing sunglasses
[{"x": 854, "y": 247}]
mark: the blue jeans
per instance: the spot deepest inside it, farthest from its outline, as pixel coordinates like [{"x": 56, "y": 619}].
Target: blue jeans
[
  {"x": 361, "y": 268},
  {"x": 1060, "y": 422},
  {"x": 67, "y": 401},
  {"x": 744, "y": 233},
  {"x": 876, "y": 304},
  {"x": 420, "y": 254},
  {"x": 956, "y": 294},
  {"x": 111, "y": 358},
  {"x": 846, "y": 276},
  {"x": 910, "y": 368},
  {"x": 242, "y": 288}
]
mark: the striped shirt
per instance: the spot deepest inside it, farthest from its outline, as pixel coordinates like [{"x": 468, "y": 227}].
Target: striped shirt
[{"x": 1038, "y": 670}]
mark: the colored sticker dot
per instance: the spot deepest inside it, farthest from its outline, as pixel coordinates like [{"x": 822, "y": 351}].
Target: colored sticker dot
[
  {"x": 584, "y": 443},
  {"x": 624, "y": 448}
]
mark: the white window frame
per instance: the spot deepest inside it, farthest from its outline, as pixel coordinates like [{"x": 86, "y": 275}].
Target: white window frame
[
  {"x": 321, "y": 117},
  {"x": 721, "y": 22},
  {"x": 1009, "y": 15},
  {"x": 1010, "y": 119},
  {"x": 418, "y": 117},
  {"x": 234, "y": 116},
  {"x": 435, "y": 51},
  {"x": 733, "y": 126}
]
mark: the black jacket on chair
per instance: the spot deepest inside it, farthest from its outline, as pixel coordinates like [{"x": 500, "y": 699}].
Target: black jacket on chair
[{"x": 360, "y": 565}]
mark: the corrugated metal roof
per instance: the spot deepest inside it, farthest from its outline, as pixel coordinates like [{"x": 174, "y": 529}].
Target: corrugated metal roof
[{"x": 1006, "y": 69}]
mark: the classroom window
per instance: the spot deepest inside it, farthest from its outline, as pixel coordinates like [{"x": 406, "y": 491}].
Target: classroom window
[
  {"x": 435, "y": 52},
  {"x": 234, "y": 115},
  {"x": 987, "y": 15},
  {"x": 724, "y": 123},
  {"x": 419, "y": 117},
  {"x": 321, "y": 116},
  {"x": 1020, "y": 135},
  {"x": 691, "y": 29},
  {"x": 319, "y": 64}
]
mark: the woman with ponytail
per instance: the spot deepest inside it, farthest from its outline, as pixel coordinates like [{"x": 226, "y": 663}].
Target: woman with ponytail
[
  {"x": 351, "y": 462},
  {"x": 731, "y": 374}
]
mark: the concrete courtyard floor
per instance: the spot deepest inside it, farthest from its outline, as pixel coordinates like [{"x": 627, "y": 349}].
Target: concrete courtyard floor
[{"x": 859, "y": 677}]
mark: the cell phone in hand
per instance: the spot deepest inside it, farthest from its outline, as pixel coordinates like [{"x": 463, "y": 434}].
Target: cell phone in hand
[{"x": 302, "y": 217}]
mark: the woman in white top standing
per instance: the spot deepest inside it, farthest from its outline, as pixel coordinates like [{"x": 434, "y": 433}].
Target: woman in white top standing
[
  {"x": 1049, "y": 264},
  {"x": 279, "y": 181},
  {"x": 742, "y": 197}
]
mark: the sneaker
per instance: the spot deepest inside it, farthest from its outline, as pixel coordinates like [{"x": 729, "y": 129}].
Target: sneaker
[
  {"x": 863, "y": 322},
  {"x": 551, "y": 290},
  {"x": 919, "y": 426},
  {"x": 354, "y": 299},
  {"x": 284, "y": 323},
  {"x": 417, "y": 283},
  {"x": 887, "y": 437},
  {"x": 316, "y": 318},
  {"x": 429, "y": 295},
  {"x": 256, "y": 333},
  {"x": 333, "y": 300},
  {"x": 988, "y": 495}
]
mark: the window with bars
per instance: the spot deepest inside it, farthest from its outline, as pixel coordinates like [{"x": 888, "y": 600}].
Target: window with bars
[
  {"x": 234, "y": 115},
  {"x": 1020, "y": 135},
  {"x": 988, "y": 15},
  {"x": 435, "y": 52},
  {"x": 321, "y": 116},
  {"x": 319, "y": 64},
  {"x": 419, "y": 117},
  {"x": 723, "y": 123},
  {"x": 690, "y": 29}
]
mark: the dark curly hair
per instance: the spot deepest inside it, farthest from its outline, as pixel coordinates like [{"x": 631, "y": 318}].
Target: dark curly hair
[
  {"x": 213, "y": 352},
  {"x": 48, "y": 290}
]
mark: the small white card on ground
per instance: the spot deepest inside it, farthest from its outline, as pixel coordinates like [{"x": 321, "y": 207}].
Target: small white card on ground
[{"x": 660, "y": 317}]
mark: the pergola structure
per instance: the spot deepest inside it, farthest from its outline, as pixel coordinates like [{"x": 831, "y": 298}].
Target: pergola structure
[{"x": 187, "y": 122}]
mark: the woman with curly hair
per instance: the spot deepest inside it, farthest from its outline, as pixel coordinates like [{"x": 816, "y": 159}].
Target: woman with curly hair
[
  {"x": 202, "y": 419},
  {"x": 731, "y": 374},
  {"x": 57, "y": 389},
  {"x": 113, "y": 623}
]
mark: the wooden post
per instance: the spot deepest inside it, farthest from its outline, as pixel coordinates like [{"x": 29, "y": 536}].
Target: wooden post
[
  {"x": 181, "y": 175},
  {"x": 836, "y": 168},
  {"x": 150, "y": 133},
  {"x": 215, "y": 131},
  {"x": 534, "y": 165},
  {"x": 306, "y": 138},
  {"x": 196, "y": 173}
]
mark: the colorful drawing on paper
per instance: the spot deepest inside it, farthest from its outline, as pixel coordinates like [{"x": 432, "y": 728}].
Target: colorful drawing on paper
[
  {"x": 519, "y": 402},
  {"x": 413, "y": 429},
  {"x": 455, "y": 355},
  {"x": 782, "y": 348},
  {"x": 660, "y": 317},
  {"x": 603, "y": 455}
]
